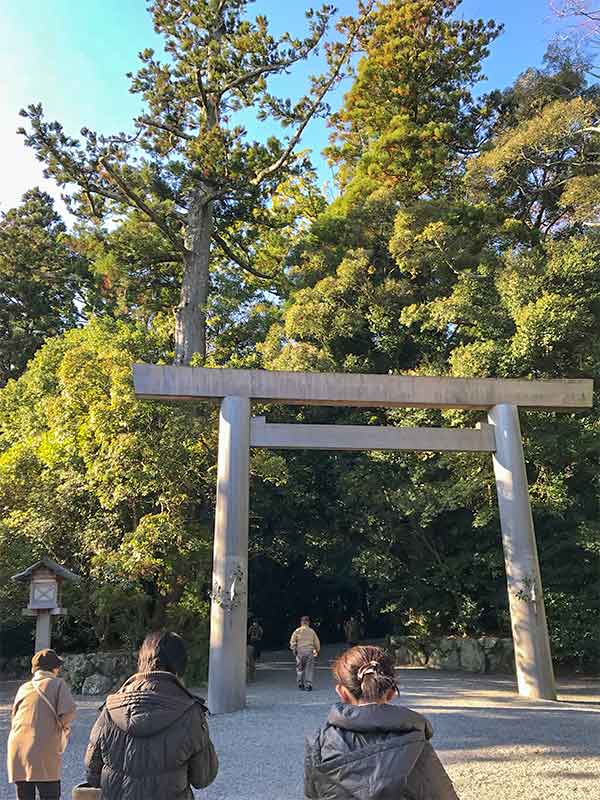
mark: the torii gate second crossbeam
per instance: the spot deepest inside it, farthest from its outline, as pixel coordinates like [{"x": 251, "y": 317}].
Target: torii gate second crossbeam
[{"x": 238, "y": 432}]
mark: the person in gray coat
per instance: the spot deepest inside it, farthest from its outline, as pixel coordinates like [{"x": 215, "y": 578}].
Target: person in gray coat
[
  {"x": 151, "y": 739},
  {"x": 369, "y": 747}
]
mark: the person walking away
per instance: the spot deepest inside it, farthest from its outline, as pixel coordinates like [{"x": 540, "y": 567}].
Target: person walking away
[
  {"x": 352, "y": 631},
  {"x": 305, "y": 645},
  {"x": 151, "y": 740},
  {"x": 369, "y": 747},
  {"x": 255, "y": 635},
  {"x": 41, "y": 717}
]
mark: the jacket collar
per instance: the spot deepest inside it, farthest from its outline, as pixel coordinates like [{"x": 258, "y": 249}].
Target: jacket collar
[
  {"x": 150, "y": 702},
  {"x": 376, "y": 717},
  {"x": 154, "y": 675},
  {"x": 43, "y": 675},
  {"x": 154, "y": 678}
]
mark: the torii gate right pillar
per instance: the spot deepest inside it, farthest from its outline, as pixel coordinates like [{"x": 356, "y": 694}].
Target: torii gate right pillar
[{"x": 535, "y": 673}]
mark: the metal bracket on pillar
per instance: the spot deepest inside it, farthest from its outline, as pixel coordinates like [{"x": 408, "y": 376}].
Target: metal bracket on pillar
[{"x": 231, "y": 595}]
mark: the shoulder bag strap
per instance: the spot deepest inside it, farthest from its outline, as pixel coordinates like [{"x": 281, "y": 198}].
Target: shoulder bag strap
[{"x": 49, "y": 704}]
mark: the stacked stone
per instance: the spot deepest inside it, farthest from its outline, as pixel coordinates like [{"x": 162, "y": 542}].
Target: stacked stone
[
  {"x": 98, "y": 673},
  {"x": 487, "y": 654},
  {"x": 86, "y": 673},
  {"x": 15, "y": 668}
]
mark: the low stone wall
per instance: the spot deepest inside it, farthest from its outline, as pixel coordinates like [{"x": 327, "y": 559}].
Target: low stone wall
[
  {"x": 86, "y": 673},
  {"x": 98, "y": 673},
  {"x": 487, "y": 654}
]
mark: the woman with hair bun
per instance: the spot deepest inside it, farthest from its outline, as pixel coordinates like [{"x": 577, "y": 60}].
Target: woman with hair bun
[{"x": 369, "y": 748}]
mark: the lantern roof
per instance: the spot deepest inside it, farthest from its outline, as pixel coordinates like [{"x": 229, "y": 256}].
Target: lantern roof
[{"x": 46, "y": 563}]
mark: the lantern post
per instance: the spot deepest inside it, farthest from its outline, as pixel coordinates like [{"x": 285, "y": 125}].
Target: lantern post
[{"x": 45, "y": 579}]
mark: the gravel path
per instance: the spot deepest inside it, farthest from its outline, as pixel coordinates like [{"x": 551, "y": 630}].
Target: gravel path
[{"x": 494, "y": 745}]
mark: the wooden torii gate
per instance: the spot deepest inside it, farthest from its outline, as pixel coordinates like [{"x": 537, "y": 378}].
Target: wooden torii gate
[{"x": 501, "y": 437}]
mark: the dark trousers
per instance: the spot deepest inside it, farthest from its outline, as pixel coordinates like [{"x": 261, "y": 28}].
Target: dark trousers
[
  {"x": 257, "y": 649},
  {"x": 48, "y": 790}
]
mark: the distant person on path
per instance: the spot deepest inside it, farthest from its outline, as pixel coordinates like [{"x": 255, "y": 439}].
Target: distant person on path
[
  {"x": 352, "y": 631},
  {"x": 366, "y": 742},
  {"x": 305, "y": 645},
  {"x": 151, "y": 739},
  {"x": 41, "y": 716},
  {"x": 255, "y": 635}
]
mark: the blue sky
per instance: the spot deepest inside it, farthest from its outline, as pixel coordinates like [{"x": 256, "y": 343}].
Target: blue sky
[{"x": 73, "y": 56}]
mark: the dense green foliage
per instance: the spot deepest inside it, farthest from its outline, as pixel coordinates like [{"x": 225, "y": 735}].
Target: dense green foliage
[
  {"x": 472, "y": 258},
  {"x": 463, "y": 242},
  {"x": 115, "y": 488},
  {"x": 42, "y": 281}
]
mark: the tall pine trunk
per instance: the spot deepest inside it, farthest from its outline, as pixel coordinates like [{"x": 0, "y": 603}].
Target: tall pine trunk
[{"x": 190, "y": 315}]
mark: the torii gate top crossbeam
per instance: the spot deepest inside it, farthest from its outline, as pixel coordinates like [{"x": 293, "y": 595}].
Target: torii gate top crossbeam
[{"x": 350, "y": 389}]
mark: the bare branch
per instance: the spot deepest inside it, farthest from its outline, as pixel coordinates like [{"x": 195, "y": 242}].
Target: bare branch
[
  {"x": 90, "y": 199},
  {"x": 265, "y": 69},
  {"x": 164, "y": 258},
  {"x": 313, "y": 108},
  {"x": 238, "y": 259},
  {"x": 106, "y": 193},
  {"x": 285, "y": 156},
  {"x": 152, "y": 124},
  {"x": 202, "y": 90},
  {"x": 276, "y": 66},
  {"x": 143, "y": 206},
  {"x": 128, "y": 140}
]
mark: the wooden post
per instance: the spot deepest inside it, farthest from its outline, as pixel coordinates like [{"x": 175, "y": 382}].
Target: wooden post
[
  {"x": 535, "y": 673},
  {"x": 229, "y": 607}
]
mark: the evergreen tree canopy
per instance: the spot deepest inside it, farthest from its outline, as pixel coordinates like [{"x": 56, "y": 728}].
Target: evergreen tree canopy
[
  {"x": 117, "y": 490},
  {"x": 410, "y": 114},
  {"x": 43, "y": 282}
]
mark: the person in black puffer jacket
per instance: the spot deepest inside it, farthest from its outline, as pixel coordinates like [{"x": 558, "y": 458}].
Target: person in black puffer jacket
[
  {"x": 151, "y": 739},
  {"x": 369, "y": 749}
]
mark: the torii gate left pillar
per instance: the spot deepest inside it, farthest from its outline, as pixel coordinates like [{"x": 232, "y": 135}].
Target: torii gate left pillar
[{"x": 229, "y": 607}]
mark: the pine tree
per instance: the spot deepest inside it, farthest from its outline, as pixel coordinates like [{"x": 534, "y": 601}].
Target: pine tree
[
  {"x": 190, "y": 166},
  {"x": 42, "y": 281}
]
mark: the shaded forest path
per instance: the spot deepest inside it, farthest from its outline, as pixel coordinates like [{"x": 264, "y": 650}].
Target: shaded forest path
[{"x": 493, "y": 743}]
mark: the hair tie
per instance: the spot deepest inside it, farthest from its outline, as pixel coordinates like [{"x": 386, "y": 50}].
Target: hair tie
[{"x": 370, "y": 668}]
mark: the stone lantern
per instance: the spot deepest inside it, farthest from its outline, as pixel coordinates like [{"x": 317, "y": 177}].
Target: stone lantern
[{"x": 45, "y": 579}]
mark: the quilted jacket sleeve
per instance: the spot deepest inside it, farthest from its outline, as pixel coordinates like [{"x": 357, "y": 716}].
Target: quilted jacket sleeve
[
  {"x": 204, "y": 764},
  {"x": 294, "y": 640},
  {"x": 316, "y": 642},
  {"x": 429, "y": 780},
  {"x": 311, "y": 758},
  {"x": 93, "y": 754}
]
